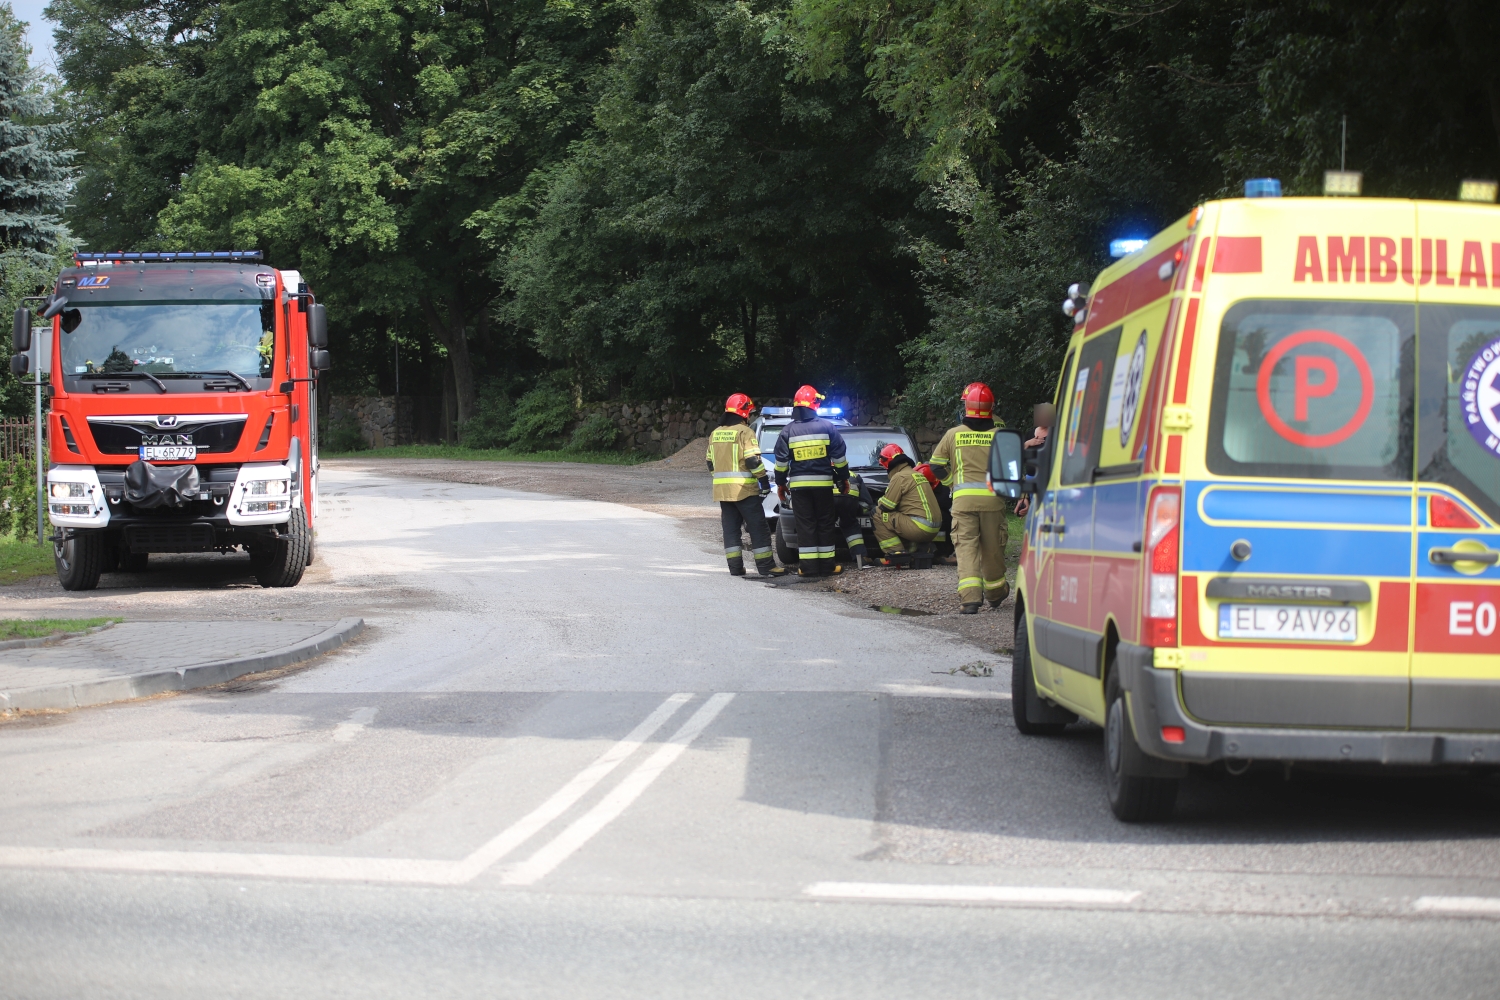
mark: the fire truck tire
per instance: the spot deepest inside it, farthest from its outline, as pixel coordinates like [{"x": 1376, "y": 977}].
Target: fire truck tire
[
  {"x": 280, "y": 562},
  {"x": 79, "y": 560}
]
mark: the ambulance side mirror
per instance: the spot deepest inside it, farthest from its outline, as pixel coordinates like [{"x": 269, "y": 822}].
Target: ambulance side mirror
[
  {"x": 1005, "y": 472},
  {"x": 20, "y": 333},
  {"x": 317, "y": 326}
]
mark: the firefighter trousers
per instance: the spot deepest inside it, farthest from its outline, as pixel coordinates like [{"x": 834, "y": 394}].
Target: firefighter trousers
[
  {"x": 979, "y": 541},
  {"x": 896, "y": 532},
  {"x": 817, "y": 530},
  {"x": 747, "y": 512}
]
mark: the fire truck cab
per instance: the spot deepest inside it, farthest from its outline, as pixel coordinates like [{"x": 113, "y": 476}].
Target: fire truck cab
[{"x": 183, "y": 412}]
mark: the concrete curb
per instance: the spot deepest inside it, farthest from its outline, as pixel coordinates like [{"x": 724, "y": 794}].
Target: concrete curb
[{"x": 108, "y": 689}]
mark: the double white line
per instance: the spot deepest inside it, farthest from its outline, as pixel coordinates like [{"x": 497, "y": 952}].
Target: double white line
[{"x": 417, "y": 870}]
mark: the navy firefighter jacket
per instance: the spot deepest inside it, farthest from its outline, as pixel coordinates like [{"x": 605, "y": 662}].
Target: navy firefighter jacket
[{"x": 810, "y": 453}]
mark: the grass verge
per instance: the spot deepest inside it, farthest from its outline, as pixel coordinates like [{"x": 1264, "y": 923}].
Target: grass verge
[
  {"x": 36, "y": 628},
  {"x": 23, "y": 559},
  {"x": 459, "y": 453}
]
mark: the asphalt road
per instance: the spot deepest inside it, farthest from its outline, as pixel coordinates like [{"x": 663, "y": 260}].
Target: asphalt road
[{"x": 572, "y": 757}]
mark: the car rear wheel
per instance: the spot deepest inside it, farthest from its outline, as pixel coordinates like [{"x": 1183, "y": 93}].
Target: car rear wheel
[
  {"x": 784, "y": 552},
  {"x": 79, "y": 559},
  {"x": 1134, "y": 795},
  {"x": 1033, "y": 716},
  {"x": 280, "y": 562}
]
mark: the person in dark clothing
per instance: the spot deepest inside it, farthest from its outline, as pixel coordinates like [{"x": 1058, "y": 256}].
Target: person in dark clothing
[{"x": 810, "y": 463}]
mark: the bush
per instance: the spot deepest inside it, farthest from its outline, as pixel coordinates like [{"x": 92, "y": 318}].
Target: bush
[
  {"x": 540, "y": 418},
  {"x": 490, "y": 425},
  {"x": 20, "y": 497},
  {"x": 597, "y": 433},
  {"x": 345, "y": 436}
]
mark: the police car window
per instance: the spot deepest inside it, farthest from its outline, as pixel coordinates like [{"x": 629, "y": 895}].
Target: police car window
[
  {"x": 1319, "y": 390},
  {"x": 1083, "y": 422},
  {"x": 768, "y": 438},
  {"x": 862, "y": 447},
  {"x": 1460, "y": 390}
]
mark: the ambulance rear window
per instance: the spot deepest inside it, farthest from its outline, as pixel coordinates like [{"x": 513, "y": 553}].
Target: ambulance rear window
[
  {"x": 1460, "y": 390},
  {"x": 1314, "y": 390}
]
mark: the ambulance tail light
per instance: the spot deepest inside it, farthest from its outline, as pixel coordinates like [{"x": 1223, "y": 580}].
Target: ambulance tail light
[
  {"x": 1163, "y": 530},
  {"x": 1445, "y": 513}
]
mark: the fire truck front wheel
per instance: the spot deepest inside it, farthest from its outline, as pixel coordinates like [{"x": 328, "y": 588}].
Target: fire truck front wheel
[
  {"x": 79, "y": 558},
  {"x": 279, "y": 562}
]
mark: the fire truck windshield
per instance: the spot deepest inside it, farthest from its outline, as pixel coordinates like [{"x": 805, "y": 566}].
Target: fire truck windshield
[{"x": 177, "y": 338}]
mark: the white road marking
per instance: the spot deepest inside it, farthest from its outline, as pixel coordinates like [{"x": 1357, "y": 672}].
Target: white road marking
[
  {"x": 410, "y": 870},
  {"x": 900, "y": 891},
  {"x": 561, "y": 847},
  {"x": 564, "y": 798},
  {"x": 358, "y": 720},
  {"x": 932, "y": 691},
  {"x": 1459, "y": 904}
]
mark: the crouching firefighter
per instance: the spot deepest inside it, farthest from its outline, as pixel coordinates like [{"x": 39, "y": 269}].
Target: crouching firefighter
[
  {"x": 908, "y": 518},
  {"x": 810, "y": 462},
  {"x": 740, "y": 484},
  {"x": 960, "y": 461}
]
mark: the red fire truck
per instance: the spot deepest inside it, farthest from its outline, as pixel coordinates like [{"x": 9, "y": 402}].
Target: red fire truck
[{"x": 183, "y": 411}]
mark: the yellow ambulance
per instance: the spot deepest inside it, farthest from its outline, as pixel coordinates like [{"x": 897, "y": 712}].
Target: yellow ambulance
[{"x": 1265, "y": 521}]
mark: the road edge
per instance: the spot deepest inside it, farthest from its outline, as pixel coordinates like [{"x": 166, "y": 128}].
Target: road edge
[{"x": 111, "y": 689}]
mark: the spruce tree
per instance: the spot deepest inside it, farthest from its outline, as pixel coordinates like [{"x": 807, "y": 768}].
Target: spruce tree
[{"x": 35, "y": 169}]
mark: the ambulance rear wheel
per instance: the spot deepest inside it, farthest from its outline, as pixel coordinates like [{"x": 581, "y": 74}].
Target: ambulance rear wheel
[
  {"x": 79, "y": 559},
  {"x": 1133, "y": 796},
  {"x": 280, "y": 562}
]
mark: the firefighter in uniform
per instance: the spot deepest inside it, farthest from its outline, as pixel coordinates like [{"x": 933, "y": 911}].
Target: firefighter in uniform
[
  {"x": 810, "y": 462},
  {"x": 942, "y": 546},
  {"x": 960, "y": 461},
  {"x": 740, "y": 484},
  {"x": 908, "y": 516}
]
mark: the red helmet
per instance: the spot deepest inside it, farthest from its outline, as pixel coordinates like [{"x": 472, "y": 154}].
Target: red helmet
[
  {"x": 888, "y": 454},
  {"x": 807, "y": 396},
  {"x": 741, "y": 404},
  {"x": 925, "y": 471},
  {"x": 979, "y": 401}
]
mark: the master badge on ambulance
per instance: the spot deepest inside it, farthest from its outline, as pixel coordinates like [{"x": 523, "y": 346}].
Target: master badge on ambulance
[{"x": 1481, "y": 396}]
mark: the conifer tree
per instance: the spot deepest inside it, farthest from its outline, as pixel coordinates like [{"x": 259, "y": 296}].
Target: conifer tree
[{"x": 35, "y": 169}]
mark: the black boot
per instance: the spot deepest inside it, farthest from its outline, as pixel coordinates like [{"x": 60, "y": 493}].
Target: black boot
[{"x": 970, "y": 608}]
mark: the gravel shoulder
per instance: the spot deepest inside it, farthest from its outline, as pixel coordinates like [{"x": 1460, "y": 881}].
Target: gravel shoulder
[{"x": 679, "y": 488}]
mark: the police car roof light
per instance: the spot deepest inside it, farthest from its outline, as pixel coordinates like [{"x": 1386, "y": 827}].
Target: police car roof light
[
  {"x": 147, "y": 256},
  {"x": 830, "y": 411},
  {"x": 776, "y": 411}
]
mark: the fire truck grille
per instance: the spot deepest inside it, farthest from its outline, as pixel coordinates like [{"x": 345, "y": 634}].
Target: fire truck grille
[{"x": 169, "y": 537}]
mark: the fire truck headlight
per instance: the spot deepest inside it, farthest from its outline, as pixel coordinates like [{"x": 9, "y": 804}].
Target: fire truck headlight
[
  {"x": 67, "y": 489},
  {"x": 269, "y": 487}
]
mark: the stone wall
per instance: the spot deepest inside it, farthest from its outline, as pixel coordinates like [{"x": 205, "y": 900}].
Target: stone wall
[
  {"x": 384, "y": 421},
  {"x": 653, "y": 427}
]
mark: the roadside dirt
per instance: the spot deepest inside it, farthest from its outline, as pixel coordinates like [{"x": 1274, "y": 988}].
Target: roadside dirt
[{"x": 678, "y": 487}]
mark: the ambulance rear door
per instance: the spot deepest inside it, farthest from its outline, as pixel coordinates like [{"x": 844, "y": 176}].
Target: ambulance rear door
[{"x": 1456, "y": 654}]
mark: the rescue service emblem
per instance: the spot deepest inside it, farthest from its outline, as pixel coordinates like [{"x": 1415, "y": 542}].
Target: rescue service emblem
[
  {"x": 1131, "y": 400},
  {"x": 1481, "y": 397}
]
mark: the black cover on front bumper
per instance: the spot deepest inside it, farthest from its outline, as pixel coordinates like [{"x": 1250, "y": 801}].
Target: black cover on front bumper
[{"x": 1154, "y": 702}]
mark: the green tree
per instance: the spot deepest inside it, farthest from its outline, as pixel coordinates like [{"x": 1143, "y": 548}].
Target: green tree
[
  {"x": 724, "y": 221},
  {"x": 357, "y": 140}
]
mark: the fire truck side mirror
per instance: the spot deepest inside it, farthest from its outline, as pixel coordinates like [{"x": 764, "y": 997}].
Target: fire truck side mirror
[
  {"x": 20, "y": 333},
  {"x": 20, "y": 364},
  {"x": 320, "y": 361},
  {"x": 317, "y": 326}
]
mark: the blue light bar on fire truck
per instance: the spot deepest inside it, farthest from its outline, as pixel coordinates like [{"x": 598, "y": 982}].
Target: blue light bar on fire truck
[{"x": 167, "y": 256}]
